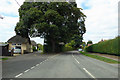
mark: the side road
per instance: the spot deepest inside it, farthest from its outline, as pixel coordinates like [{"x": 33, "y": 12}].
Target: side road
[{"x": 18, "y": 64}]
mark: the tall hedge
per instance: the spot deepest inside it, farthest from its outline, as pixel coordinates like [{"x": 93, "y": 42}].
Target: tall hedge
[{"x": 110, "y": 47}]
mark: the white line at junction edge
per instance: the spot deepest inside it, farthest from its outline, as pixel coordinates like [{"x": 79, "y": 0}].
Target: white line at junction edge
[{"x": 19, "y": 75}]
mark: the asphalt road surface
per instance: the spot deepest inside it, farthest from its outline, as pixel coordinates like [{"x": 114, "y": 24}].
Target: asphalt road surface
[{"x": 65, "y": 65}]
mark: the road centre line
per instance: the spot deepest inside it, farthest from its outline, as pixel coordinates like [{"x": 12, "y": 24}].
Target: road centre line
[
  {"x": 89, "y": 73},
  {"x": 72, "y": 55},
  {"x": 19, "y": 75},
  {"x": 84, "y": 68},
  {"x": 76, "y": 59}
]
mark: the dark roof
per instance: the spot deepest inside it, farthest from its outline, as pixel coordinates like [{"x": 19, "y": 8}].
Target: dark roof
[
  {"x": 18, "y": 39},
  {"x": 33, "y": 43}
]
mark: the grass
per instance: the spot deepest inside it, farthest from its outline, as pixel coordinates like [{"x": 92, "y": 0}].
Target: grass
[
  {"x": 100, "y": 58},
  {"x": 4, "y": 58}
]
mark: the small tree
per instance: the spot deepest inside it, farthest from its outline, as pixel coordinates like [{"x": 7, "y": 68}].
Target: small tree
[
  {"x": 89, "y": 42},
  {"x": 40, "y": 46}
]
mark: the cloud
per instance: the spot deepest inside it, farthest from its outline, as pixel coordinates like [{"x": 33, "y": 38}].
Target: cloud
[
  {"x": 119, "y": 18},
  {"x": 102, "y": 19},
  {"x": 38, "y": 40},
  {"x": 85, "y": 5},
  {"x": 7, "y": 26},
  {"x": 9, "y": 10}
]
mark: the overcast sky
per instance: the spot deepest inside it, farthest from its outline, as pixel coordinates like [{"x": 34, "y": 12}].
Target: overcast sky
[{"x": 101, "y": 21}]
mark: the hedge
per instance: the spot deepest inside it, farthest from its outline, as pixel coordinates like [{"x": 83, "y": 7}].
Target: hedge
[{"x": 109, "y": 47}]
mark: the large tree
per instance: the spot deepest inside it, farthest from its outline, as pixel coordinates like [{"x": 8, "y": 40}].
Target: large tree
[{"x": 54, "y": 21}]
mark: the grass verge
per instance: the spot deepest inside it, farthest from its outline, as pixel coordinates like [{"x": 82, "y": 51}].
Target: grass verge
[
  {"x": 101, "y": 58},
  {"x": 4, "y": 58}
]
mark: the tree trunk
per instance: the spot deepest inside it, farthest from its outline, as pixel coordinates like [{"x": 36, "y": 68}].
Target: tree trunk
[{"x": 53, "y": 46}]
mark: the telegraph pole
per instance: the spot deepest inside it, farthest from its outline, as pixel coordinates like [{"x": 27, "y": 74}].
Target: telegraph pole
[
  {"x": 17, "y": 2},
  {"x": 1, "y": 17}
]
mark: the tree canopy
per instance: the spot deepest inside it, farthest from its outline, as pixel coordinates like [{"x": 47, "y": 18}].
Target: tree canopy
[{"x": 54, "y": 21}]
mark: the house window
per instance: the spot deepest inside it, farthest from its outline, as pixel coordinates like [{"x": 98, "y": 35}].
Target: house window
[
  {"x": 19, "y": 44},
  {"x": 17, "y": 47},
  {"x": 13, "y": 44}
]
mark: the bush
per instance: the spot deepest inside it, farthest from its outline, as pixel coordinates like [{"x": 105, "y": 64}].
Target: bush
[
  {"x": 109, "y": 47},
  {"x": 34, "y": 48}
]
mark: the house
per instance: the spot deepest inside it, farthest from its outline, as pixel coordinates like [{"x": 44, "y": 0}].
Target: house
[
  {"x": 4, "y": 50},
  {"x": 89, "y": 44},
  {"x": 102, "y": 40},
  {"x": 33, "y": 43},
  {"x": 21, "y": 43}
]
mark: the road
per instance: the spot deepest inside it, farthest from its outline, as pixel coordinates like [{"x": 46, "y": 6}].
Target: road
[
  {"x": 15, "y": 65},
  {"x": 65, "y": 65}
]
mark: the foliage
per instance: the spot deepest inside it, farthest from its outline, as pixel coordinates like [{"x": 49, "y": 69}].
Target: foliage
[
  {"x": 109, "y": 47},
  {"x": 89, "y": 42},
  {"x": 68, "y": 47},
  {"x": 40, "y": 46},
  {"x": 100, "y": 58},
  {"x": 83, "y": 45},
  {"x": 34, "y": 48},
  {"x": 77, "y": 41},
  {"x": 54, "y": 21}
]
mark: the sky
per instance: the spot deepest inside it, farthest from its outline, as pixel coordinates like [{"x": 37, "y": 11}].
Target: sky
[{"x": 101, "y": 21}]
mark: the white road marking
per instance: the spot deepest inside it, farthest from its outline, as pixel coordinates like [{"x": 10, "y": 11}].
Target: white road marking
[
  {"x": 41, "y": 62},
  {"x": 37, "y": 64},
  {"x": 72, "y": 55},
  {"x": 19, "y": 75},
  {"x": 77, "y": 61},
  {"x": 54, "y": 55},
  {"x": 32, "y": 67},
  {"x": 27, "y": 70},
  {"x": 89, "y": 73}
]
